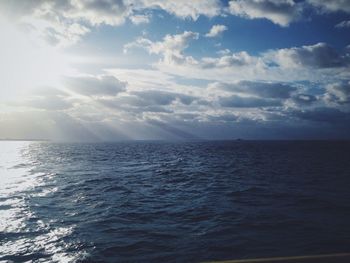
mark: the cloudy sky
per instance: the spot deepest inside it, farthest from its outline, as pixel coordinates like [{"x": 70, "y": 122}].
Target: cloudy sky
[{"x": 92, "y": 70}]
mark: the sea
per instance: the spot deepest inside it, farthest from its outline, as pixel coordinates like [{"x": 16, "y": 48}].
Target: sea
[{"x": 150, "y": 201}]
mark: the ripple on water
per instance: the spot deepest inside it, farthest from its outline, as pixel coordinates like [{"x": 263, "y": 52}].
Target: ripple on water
[{"x": 166, "y": 202}]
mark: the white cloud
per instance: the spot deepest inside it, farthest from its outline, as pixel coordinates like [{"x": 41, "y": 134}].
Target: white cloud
[
  {"x": 338, "y": 92},
  {"x": 331, "y": 5},
  {"x": 232, "y": 60},
  {"x": 161, "y": 96},
  {"x": 110, "y": 12},
  {"x": 318, "y": 62},
  {"x": 223, "y": 52},
  {"x": 66, "y": 22},
  {"x": 170, "y": 48},
  {"x": 58, "y": 32},
  {"x": 281, "y": 12},
  {"x": 184, "y": 8},
  {"x": 140, "y": 19},
  {"x": 343, "y": 24},
  {"x": 216, "y": 30},
  {"x": 304, "y": 99},
  {"x": 319, "y": 55}
]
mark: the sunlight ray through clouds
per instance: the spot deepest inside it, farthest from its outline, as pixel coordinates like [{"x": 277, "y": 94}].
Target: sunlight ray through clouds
[{"x": 103, "y": 69}]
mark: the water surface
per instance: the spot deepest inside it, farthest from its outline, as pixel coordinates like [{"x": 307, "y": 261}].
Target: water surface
[{"x": 172, "y": 202}]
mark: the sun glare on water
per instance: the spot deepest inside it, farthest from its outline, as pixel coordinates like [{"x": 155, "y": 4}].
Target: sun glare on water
[{"x": 26, "y": 62}]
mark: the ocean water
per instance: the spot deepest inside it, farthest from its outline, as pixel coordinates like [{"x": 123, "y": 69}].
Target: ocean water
[{"x": 172, "y": 202}]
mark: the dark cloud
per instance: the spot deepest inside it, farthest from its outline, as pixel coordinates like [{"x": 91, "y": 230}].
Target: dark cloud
[
  {"x": 223, "y": 118},
  {"x": 323, "y": 114},
  {"x": 124, "y": 101},
  {"x": 339, "y": 92},
  {"x": 93, "y": 86},
  {"x": 281, "y": 12},
  {"x": 248, "y": 102},
  {"x": 104, "y": 7},
  {"x": 261, "y": 89},
  {"x": 147, "y": 101},
  {"x": 156, "y": 109},
  {"x": 319, "y": 55},
  {"x": 157, "y": 97}
]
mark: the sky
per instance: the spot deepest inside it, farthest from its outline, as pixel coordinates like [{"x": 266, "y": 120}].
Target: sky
[{"x": 110, "y": 70}]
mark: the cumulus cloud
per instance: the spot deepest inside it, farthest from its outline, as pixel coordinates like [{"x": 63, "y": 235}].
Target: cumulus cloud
[
  {"x": 58, "y": 33},
  {"x": 331, "y": 5},
  {"x": 281, "y": 12},
  {"x": 216, "y": 30},
  {"x": 232, "y": 60},
  {"x": 184, "y": 8},
  {"x": 251, "y": 94},
  {"x": 310, "y": 63},
  {"x": 338, "y": 92},
  {"x": 95, "y": 86},
  {"x": 66, "y": 22},
  {"x": 319, "y": 55},
  {"x": 170, "y": 48},
  {"x": 111, "y": 12}
]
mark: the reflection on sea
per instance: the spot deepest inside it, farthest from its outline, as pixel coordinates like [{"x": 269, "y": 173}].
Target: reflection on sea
[{"x": 24, "y": 236}]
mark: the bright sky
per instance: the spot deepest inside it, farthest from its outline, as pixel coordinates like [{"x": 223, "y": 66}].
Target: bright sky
[{"x": 158, "y": 69}]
